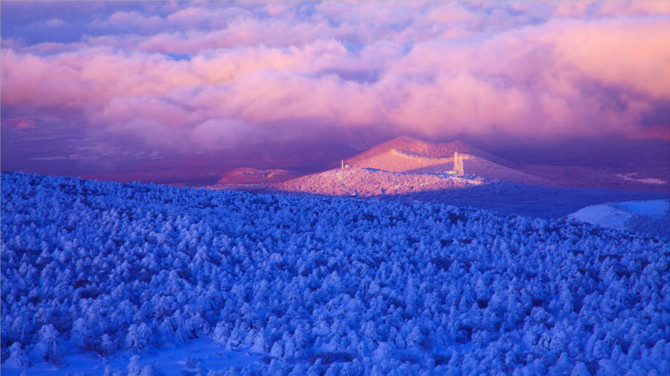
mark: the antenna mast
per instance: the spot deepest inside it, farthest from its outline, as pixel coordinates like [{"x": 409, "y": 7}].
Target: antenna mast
[{"x": 458, "y": 164}]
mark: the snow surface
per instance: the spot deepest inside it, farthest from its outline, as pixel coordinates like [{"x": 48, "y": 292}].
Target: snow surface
[
  {"x": 189, "y": 358},
  {"x": 395, "y": 160},
  {"x": 368, "y": 182},
  {"x": 653, "y": 207},
  {"x": 481, "y": 167},
  {"x": 153, "y": 279},
  {"x": 621, "y": 215}
]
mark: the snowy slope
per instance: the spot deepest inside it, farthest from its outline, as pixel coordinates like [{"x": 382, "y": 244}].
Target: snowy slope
[
  {"x": 588, "y": 177},
  {"x": 649, "y": 215},
  {"x": 482, "y": 167},
  {"x": 222, "y": 282},
  {"x": 367, "y": 182},
  {"x": 395, "y": 160},
  {"x": 419, "y": 147},
  {"x": 404, "y": 154}
]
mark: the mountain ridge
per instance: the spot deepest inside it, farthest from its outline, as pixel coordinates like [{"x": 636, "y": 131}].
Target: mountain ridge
[
  {"x": 249, "y": 175},
  {"x": 406, "y": 165},
  {"x": 421, "y": 164}
]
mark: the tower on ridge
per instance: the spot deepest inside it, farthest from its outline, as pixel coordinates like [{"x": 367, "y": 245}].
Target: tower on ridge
[{"x": 458, "y": 164}]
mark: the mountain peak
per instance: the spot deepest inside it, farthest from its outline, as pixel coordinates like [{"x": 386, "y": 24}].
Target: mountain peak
[{"x": 408, "y": 153}]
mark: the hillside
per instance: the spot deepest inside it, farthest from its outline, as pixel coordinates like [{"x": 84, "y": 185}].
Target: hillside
[
  {"x": 368, "y": 182},
  {"x": 416, "y": 146},
  {"x": 246, "y": 175},
  {"x": 395, "y": 160},
  {"x": 251, "y": 179},
  {"x": 588, "y": 177},
  {"x": 485, "y": 168},
  {"x": 614, "y": 163},
  {"x": 108, "y": 277}
]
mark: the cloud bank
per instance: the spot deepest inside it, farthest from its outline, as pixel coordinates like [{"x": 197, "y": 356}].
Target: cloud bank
[{"x": 201, "y": 77}]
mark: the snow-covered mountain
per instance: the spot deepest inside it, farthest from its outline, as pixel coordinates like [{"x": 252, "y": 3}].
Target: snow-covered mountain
[
  {"x": 404, "y": 154},
  {"x": 650, "y": 217},
  {"x": 407, "y": 165}
]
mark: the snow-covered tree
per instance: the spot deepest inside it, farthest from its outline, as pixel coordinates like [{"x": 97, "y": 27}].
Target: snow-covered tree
[
  {"x": 17, "y": 357},
  {"x": 371, "y": 286},
  {"x": 48, "y": 346}
]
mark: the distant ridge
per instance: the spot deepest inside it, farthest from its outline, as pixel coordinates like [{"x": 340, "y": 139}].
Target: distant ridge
[
  {"x": 247, "y": 175},
  {"x": 407, "y": 165},
  {"x": 399, "y": 166}
]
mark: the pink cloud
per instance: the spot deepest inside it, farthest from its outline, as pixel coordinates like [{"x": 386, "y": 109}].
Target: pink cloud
[
  {"x": 132, "y": 20},
  {"x": 635, "y": 7},
  {"x": 425, "y": 69},
  {"x": 629, "y": 53}
]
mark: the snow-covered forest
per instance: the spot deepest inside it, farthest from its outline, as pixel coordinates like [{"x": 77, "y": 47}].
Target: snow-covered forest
[{"x": 315, "y": 285}]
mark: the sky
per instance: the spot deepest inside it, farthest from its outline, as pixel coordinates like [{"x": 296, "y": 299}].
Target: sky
[{"x": 183, "y": 91}]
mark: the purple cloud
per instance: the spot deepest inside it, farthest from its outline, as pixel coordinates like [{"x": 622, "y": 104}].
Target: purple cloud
[{"x": 214, "y": 77}]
